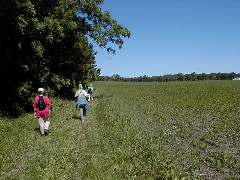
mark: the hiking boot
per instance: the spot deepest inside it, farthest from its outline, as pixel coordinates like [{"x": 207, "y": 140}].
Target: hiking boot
[
  {"x": 83, "y": 118},
  {"x": 45, "y": 131}
]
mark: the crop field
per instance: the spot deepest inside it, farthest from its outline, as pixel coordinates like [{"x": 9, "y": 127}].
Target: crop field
[{"x": 170, "y": 130}]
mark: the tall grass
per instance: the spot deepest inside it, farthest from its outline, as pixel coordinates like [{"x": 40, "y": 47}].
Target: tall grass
[{"x": 176, "y": 130}]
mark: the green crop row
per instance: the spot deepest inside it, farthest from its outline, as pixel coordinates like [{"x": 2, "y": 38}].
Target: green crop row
[{"x": 190, "y": 127}]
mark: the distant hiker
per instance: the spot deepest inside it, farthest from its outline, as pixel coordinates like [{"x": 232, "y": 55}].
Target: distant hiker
[
  {"x": 90, "y": 91},
  {"x": 81, "y": 95},
  {"x": 41, "y": 107}
]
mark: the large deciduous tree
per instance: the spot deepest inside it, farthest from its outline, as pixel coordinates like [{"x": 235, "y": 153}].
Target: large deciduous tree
[{"x": 49, "y": 43}]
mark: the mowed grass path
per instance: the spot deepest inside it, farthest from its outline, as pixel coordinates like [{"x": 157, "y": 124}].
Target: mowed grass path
[{"x": 133, "y": 131}]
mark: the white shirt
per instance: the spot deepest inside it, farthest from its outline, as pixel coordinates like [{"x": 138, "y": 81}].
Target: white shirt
[{"x": 81, "y": 93}]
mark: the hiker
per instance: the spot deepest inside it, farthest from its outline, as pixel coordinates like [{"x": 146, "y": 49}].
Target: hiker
[
  {"x": 41, "y": 107},
  {"x": 81, "y": 95},
  {"x": 90, "y": 91}
]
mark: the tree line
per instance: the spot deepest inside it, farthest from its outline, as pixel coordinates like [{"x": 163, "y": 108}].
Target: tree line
[
  {"x": 50, "y": 44},
  {"x": 172, "y": 77}
]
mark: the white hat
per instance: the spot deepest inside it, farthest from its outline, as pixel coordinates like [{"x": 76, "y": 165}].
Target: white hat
[
  {"x": 40, "y": 90},
  {"x": 80, "y": 86}
]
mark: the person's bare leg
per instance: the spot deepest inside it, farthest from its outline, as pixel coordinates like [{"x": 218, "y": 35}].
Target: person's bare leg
[{"x": 41, "y": 125}]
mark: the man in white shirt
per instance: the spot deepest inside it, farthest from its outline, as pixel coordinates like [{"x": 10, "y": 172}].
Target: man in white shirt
[
  {"x": 81, "y": 95},
  {"x": 81, "y": 92}
]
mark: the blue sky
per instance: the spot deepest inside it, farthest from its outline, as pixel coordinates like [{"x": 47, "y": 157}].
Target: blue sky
[{"x": 174, "y": 36}]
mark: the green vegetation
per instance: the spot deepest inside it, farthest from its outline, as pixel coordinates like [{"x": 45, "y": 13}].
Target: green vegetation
[
  {"x": 173, "y": 77},
  {"x": 174, "y": 130},
  {"x": 51, "y": 44}
]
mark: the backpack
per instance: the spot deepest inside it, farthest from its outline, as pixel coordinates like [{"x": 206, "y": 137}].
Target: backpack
[
  {"x": 90, "y": 90},
  {"x": 41, "y": 105}
]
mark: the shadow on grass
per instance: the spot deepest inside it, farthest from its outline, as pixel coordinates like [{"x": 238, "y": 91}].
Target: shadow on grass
[
  {"x": 37, "y": 130},
  {"x": 75, "y": 116}
]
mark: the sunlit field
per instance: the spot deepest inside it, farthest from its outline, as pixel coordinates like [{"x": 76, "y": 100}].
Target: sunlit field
[{"x": 170, "y": 130}]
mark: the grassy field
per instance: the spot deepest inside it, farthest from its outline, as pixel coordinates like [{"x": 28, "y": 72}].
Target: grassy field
[{"x": 174, "y": 130}]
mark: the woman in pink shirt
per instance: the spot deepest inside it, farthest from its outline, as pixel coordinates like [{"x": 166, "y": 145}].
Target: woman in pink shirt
[{"x": 41, "y": 111}]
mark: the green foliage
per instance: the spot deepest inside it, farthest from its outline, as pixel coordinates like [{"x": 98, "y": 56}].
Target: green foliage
[{"x": 49, "y": 45}]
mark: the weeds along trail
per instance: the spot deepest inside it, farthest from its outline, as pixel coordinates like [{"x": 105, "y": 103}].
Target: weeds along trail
[{"x": 26, "y": 154}]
